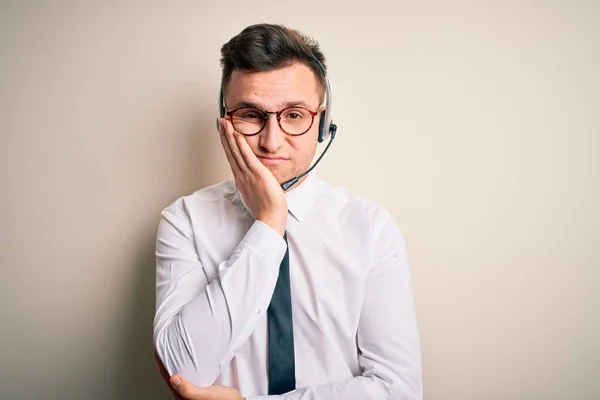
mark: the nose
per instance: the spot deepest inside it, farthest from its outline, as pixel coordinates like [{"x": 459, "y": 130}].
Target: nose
[{"x": 271, "y": 137}]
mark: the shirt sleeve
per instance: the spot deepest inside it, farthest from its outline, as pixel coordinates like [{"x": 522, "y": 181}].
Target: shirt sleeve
[
  {"x": 198, "y": 324},
  {"x": 387, "y": 337}
]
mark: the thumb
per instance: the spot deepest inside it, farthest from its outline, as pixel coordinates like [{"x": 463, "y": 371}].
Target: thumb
[
  {"x": 185, "y": 388},
  {"x": 175, "y": 381}
]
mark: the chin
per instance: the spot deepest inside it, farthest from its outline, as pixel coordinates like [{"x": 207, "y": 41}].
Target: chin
[{"x": 280, "y": 175}]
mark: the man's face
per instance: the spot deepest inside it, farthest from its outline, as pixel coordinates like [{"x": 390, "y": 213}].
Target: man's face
[{"x": 286, "y": 156}]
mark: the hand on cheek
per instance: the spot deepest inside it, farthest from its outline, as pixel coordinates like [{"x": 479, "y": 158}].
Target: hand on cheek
[{"x": 259, "y": 188}]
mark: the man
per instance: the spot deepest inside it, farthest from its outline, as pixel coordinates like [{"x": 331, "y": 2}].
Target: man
[{"x": 266, "y": 293}]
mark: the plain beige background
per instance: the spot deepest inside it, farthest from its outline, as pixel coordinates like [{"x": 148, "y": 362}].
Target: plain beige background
[{"x": 475, "y": 123}]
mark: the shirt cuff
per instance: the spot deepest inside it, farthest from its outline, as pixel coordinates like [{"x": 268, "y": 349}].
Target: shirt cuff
[{"x": 265, "y": 243}]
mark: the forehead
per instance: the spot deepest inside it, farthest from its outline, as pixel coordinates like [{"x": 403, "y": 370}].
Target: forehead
[{"x": 273, "y": 89}]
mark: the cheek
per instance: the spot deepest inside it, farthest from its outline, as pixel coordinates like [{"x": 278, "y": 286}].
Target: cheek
[{"x": 303, "y": 148}]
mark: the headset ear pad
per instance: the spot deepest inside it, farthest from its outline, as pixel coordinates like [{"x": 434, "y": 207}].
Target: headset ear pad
[
  {"x": 322, "y": 126},
  {"x": 221, "y": 109}
]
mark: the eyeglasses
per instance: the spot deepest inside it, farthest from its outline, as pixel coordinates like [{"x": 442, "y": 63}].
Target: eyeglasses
[{"x": 294, "y": 121}]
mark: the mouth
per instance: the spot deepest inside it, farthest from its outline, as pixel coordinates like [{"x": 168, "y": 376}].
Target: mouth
[{"x": 272, "y": 160}]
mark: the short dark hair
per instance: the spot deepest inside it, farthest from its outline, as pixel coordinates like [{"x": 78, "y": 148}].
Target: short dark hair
[{"x": 266, "y": 47}]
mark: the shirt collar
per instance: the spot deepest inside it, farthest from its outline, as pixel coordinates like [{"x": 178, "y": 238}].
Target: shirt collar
[{"x": 300, "y": 198}]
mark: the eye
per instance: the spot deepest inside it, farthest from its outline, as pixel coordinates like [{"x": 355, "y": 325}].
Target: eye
[
  {"x": 250, "y": 115},
  {"x": 295, "y": 114}
]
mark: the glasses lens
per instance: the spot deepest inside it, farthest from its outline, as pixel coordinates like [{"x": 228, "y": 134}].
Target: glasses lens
[
  {"x": 296, "y": 120},
  {"x": 248, "y": 121}
]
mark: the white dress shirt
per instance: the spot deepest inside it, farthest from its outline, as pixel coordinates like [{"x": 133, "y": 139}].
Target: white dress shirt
[{"x": 355, "y": 331}]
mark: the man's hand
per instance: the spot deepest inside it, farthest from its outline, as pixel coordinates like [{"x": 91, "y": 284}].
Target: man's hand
[
  {"x": 259, "y": 187},
  {"x": 189, "y": 391}
]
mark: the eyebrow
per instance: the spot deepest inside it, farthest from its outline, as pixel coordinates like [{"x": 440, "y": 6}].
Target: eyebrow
[{"x": 299, "y": 103}]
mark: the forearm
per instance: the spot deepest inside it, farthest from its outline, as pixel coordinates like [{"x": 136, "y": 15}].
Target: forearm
[
  {"x": 359, "y": 388},
  {"x": 202, "y": 337},
  {"x": 198, "y": 327}
]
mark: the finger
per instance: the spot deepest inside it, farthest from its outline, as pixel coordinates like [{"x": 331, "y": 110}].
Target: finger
[
  {"x": 231, "y": 134},
  {"x": 250, "y": 158},
  {"x": 187, "y": 389},
  {"x": 235, "y": 168}
]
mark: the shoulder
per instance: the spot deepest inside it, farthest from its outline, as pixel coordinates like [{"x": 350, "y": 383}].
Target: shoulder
[
  {"x": 205, "y": 199},
  {"x": 363, "y": 223},
  {"x": 350, "y": 205}
]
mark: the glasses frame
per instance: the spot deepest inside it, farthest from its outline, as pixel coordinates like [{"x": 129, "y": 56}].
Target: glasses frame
[{"x": 266, "y": 114}]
